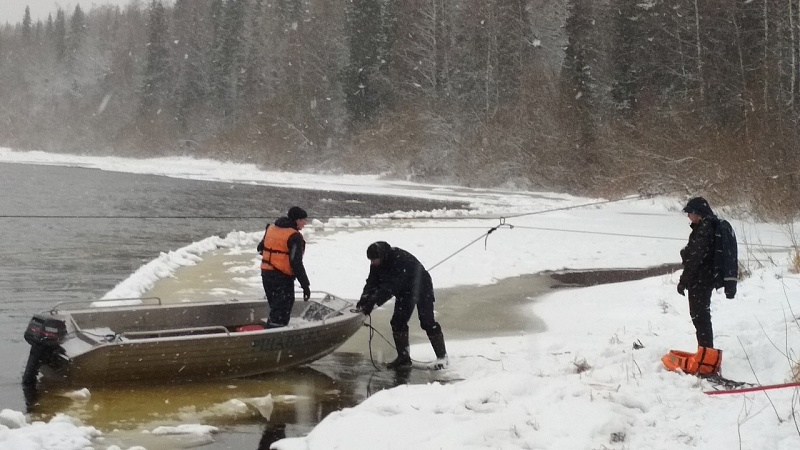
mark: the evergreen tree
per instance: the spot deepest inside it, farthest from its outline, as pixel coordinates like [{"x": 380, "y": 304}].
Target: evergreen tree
[
  {"x": 495, "y": 55},
  {"x": 256, "y": 80},
  {"x": 37, "y": 35},
  {"x": 477, "y": 57},
  {"x": 325, "y": 115},
  {"x": 512, "y": 48},
  {"x": 290, "y": 13},
  {"x": 77, "y": 28},
  {"x": 217, "y": 70},
  {"x": 625, "y": 55},
  {"x": 192, "y": 35},
  {"x": 26, "y": 26},
  {"x": 232, "y": 55},
  {"x": 157, "y": 72},
  {"x": 370, "y": 32},
  {"x": 722, "y": 63},
  {"x": 60, "y": 35},
  {"x": 578, "y": 83},
  {"x": 48, "y": 28}
]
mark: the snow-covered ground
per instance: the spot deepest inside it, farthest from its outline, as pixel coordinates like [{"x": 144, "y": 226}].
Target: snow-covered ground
[{"x": 578, "y": 385}]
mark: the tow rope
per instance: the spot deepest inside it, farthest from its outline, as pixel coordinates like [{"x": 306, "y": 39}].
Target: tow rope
[
  {"x": 485, "y": 242},
  {"x": 372, "y": 332}
]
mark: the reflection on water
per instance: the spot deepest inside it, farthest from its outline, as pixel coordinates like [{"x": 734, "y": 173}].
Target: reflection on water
[
  {"x": 221, "y": 403},
  {"x": 272, "y": 432},
  {"x": 31, "y": 394},
  {"x": 299, "y": 398}
]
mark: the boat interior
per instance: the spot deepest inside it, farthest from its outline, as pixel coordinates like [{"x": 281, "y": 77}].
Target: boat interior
[{"x": 184, "y": 319}]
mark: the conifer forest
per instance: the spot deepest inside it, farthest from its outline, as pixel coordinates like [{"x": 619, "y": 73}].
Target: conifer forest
[{"x": 598, "y": 97}]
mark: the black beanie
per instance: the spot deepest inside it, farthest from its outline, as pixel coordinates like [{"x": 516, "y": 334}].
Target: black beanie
[
  {"x": 297, "y": 213},
  {"x": 699, "y": 206},
  {"x": 378, "y": 250}
]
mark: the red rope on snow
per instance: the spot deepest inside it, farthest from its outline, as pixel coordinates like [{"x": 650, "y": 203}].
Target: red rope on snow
[{"x": 754, "y": 389}]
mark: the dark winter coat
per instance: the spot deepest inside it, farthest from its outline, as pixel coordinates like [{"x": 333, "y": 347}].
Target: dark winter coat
[
  {"x": 399, "y": 275},
  {"x": 297, "y": 246},
  {"x": 698, "y": 255}
]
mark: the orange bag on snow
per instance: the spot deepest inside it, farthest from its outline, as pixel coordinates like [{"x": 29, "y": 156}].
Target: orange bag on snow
[{"x": 706, "y": 361}]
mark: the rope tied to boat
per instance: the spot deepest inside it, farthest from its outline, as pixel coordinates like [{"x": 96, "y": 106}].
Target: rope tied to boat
[{"x": 372, "y": 332}]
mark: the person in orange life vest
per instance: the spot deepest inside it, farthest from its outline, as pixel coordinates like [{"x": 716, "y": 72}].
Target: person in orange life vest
[
  {"x": 281, "y": 263},
  {"x": 395, "y": 272},
  {"x": 698, "y": 268}
]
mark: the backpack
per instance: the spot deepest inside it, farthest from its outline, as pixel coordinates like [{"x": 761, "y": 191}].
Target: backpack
[{"x": 726, "y": 261}]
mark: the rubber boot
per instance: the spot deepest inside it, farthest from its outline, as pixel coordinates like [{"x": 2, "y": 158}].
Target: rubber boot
[
  {"x": 403, "y": 360},
  {"x": 437, "y": 342}
]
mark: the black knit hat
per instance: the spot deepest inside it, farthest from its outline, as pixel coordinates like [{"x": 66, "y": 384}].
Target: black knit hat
[
  {"x": 297, "y": 213},
  {"x": 699, "y": 206},
  {"x": 378, "y": 250}
]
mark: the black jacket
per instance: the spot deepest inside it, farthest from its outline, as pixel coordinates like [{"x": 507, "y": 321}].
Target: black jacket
[
  {"x": 698, "y": 255},
  {"x": 297, "y": 246},
  {"x": 399, "y": 275}
]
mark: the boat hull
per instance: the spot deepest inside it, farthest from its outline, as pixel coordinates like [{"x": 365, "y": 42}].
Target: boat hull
[{"x": 172, "y": 356}]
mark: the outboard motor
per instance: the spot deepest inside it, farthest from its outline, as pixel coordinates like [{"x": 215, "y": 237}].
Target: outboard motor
[{"x": 44, "y": 333}]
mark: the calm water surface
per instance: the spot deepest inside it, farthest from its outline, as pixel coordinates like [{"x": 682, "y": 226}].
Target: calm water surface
[{"x": 72, "y": 234}]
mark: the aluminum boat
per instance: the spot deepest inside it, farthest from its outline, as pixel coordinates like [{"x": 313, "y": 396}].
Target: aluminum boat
[{"x": 103, "y": 342}]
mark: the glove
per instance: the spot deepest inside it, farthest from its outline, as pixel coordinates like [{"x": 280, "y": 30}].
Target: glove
[
  {"x": 306, "y": 293},
  {"x": 681, "y": 289},
  {"x": 365, "y": 306},
  {"x": 730, "y": 288}
]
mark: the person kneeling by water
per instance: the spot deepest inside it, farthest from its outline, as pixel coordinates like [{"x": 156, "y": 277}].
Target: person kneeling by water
[{"x": 395, "y": 272}]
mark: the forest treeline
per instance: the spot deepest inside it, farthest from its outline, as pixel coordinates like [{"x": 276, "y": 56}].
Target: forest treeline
[{"x": 599, "y": 97}]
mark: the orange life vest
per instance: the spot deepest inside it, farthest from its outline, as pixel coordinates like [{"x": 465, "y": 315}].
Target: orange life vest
[
  {"x": 706, "y": 361},
  {"x": 275, "y": 255}
]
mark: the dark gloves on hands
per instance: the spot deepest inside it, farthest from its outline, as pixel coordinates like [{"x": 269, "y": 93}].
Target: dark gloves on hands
[
  {"x": 306, "y": 293},
  {"x": 365, "y": 306},
  {"x": 681, "y": 288},
  {"x": 367, "y": 309},
  {"x": 730, "y": 288}
]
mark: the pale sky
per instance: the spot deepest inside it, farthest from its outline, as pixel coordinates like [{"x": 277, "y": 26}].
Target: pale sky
[{"x": 12, "y": 11}]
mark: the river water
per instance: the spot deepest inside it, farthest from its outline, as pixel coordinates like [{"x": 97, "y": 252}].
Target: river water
[{"x": 72, "y": 234}]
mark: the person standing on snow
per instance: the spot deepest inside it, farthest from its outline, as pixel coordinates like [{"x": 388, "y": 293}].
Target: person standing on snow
[
  {"x": 396, "y": 273},
  {"x": 698, "y": 268},
  {"x": 282, "y": 251}
]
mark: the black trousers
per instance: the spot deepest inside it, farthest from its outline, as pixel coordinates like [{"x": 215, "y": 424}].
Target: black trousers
[
  {"x": 700, "y": 311},
  {"x": 280, "y": 295},
  {"x": 404, "y": 308}
]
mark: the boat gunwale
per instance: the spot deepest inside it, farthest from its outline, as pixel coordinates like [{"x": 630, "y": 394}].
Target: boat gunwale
[
  {"x": 342, "y": 315},
  {"x": 333, "y": 321}
]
